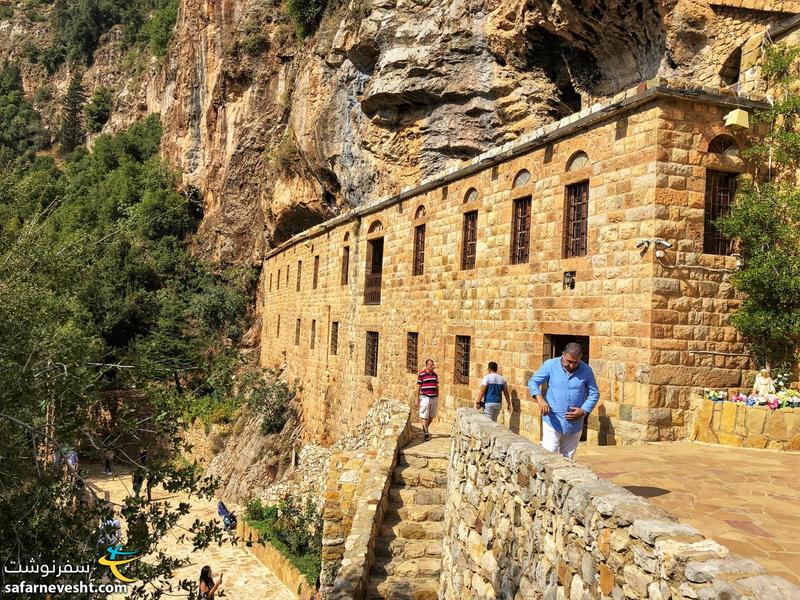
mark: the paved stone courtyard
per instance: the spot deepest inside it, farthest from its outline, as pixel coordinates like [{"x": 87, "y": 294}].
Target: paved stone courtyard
[
  {"x": 747, "y": 500},
  {"x": 245, "y": 576}
]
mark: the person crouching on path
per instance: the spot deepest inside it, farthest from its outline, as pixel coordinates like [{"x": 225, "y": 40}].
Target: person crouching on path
[
  {"x": 571, "y": 395},
  {"x": 427, "y": 399},
  {"x": 493, "y": 386}
]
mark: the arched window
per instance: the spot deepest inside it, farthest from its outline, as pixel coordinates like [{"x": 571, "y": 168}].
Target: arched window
[
  {"x": 725, "y": 145},
  {"x": 522, "y": 178},
  {"x": 346, "y": 237},
  {"x": 471, "y": 195},
  {"x": 577, "y": 160},
  {"x": 375, "y": 226},
  {"x": 420, "y": 212}
]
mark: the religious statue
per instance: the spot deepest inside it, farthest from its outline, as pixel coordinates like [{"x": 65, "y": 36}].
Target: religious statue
[{"x": 763, "y": 385}]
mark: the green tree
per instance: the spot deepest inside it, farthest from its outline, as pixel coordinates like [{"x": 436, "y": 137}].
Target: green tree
[
  {"x": 97, "y": 275},
  {"x": 764, "y": 221},
  {"x": 72, "y": 134},
  {"x": 98, "y": 110},
  {"x": 21, "y": 129}
]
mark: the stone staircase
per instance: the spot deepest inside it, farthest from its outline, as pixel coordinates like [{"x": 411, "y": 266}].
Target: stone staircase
[{"x": 408, "y": 552}]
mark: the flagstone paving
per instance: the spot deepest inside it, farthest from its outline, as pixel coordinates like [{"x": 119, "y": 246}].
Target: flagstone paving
[
  {"x": 245, "y": 576},
  {"x": 747, "y": 500}
]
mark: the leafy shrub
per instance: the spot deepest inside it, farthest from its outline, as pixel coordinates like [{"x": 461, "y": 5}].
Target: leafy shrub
[
  {"x": 273, "y": 402},
  {"x": 294, "y": 528},
  {"x": 305, "y": 14},
  {"x": 98, "y": 110},
  {"x": 286, "y": 156},
  {"x": 21, "y": 129},
  {"x": 78, "y": 26}
]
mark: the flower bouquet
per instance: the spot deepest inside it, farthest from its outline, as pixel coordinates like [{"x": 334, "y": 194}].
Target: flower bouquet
[{"x": 716, "y": 396}]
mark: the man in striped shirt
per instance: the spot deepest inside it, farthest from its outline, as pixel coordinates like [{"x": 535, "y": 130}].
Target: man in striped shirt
[{"x": 428, "y": 382}]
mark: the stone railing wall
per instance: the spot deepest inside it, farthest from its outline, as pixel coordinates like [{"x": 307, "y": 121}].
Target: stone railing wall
[
  {"x": 523, "y": 523},
  {"x": 735, "y": 424},
  {"x": 356, "y": 497},
  {"x": 276, "y": 562}
]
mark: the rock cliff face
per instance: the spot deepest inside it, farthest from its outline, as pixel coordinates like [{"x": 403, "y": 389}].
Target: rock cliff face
[{"x": 278, "y": 135}]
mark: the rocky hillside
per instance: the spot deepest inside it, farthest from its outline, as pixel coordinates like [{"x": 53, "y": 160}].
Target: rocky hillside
[{"x": 278, "y": 134}]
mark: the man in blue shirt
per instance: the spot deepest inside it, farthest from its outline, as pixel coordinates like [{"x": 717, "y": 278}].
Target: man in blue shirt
[
  {"x": 493, "y": 386},
  {"x": 571, "y": 395}
]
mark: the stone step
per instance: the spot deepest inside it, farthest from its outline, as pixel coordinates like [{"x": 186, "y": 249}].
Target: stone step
[
  {"x": 414, "y": 476},
  {"x": 409, "y": 530},
  {"x": 407, "y": 567},
  {"x": 437, "y": 465},
  {"x": 408, "y": 548},
  {"x": 415, "y": 512},
  {"x": 403, "y": 496},
  {"x": 403, "y": 588}
]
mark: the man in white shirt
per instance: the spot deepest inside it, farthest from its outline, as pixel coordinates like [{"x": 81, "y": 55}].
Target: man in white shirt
[{"x": 493, "y": 386}]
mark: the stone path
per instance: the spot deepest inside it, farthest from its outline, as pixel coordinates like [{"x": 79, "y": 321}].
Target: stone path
[
  {"x": 408, "y": 553},
  {"x": 747, "y": 500},
  {"x": 245, "y": 577}
]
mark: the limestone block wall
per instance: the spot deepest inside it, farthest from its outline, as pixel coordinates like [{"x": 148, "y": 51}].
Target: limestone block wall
[
  {"x": 356, "y": 495},
  {"x": 645, "y": 171},
  {"x": 692, "y": 340},
  {"x": 524, "y": 523},
  {"x": 736, "y": 424}
]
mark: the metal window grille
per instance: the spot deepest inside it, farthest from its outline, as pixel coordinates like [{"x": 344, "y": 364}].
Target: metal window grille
[
  {"x": 720, "y": 191},
  {"x": 297, "y": 333},
  {"x": 313, "y": 333},
  {"x": 521, "y": 231},
  {"x": 299, "y": 273},
  {"x": 316, "y": 272},
  {"x": 412, "y": 342},
  {"x": 461, "y": 373},
  {"x": 334, "y": 337},
  {"x": 371, "y": 362},
  {"x": 345, "y": 264},
  {"x": 576, "y": 238},
  {"x": 372, "y": 283},
  {"x": 469, "y": 240},
  {"x": 419, "y": 250}
]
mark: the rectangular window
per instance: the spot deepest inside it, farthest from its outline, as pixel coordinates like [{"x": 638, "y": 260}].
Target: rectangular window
[
  {"x": 278, "y": 328},
  {"x": 316, "y": 272},
  {"x": 469, "y": 240},
  {"x": 297, "y": 333},
  {"x": 279, "y": 279},
  {"x": 720, "y": 191},
  {"x": 461, "y": 375},
  {"x": 313, "y": 333},
  {"x": 372, "y": 283},
  {"x": 419, "y": 250},
  {"x": 335, "y": 337},
  {"x": 345, "y": 265},
  {"x": 299, "y": 273},
  {"x": 371, "y": 362},
  {"x": 412, "y": 341},
  {"x": 521, "y": 231},
  {"x": 270, "y": 282},
  {"x": 287, "y": 275},
  {"x": 577, "y": 220}
]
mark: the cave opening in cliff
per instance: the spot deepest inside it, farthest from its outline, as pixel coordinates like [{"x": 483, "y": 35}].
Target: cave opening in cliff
[
  {"x": 730, "y": 70},
  {"x": 564, "y": 65}
]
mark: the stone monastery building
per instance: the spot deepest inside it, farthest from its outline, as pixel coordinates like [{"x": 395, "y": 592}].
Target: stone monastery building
[{"x": 597, "y": 228}]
